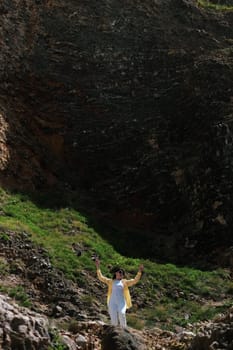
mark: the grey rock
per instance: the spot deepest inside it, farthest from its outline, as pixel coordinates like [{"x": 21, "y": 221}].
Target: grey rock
[
  {"x": 116, "y": 338},
  {"x": 22, "y": 328}
]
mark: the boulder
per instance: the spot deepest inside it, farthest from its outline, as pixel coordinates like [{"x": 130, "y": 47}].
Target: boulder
[{"x": 116, "y": 338}]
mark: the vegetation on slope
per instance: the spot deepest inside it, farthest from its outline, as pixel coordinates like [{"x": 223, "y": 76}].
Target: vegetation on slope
[
  {"x": 166, "y": 296},
  {"x": 215, "y": 6}
]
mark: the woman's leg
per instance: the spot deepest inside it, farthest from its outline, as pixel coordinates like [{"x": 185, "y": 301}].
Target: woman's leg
[
  {"x": 112, "y": 309},
  {"x": 122, "y": 314}
]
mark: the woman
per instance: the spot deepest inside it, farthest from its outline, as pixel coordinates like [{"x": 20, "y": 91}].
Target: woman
[{"x": 118, "y": 297}]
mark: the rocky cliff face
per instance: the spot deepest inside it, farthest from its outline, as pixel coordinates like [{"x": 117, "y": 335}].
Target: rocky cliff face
[{"x": 130, "y": 104}]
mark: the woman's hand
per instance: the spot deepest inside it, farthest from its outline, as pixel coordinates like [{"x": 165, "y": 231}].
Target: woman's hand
[
  {"x": 97, "y": 263},
  {"x": 141, "y": 268}
]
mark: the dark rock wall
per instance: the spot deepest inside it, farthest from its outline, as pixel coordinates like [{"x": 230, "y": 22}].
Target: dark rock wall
[{"x": 129, "y": 103}]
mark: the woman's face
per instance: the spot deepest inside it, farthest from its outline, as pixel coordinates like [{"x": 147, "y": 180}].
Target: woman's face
[{"x": 119, "y": 275}]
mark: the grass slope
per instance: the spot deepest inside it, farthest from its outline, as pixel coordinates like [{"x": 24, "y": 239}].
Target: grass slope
[
  {"x": 166, "y": 296},
  {"x": 214, "y": 6}
]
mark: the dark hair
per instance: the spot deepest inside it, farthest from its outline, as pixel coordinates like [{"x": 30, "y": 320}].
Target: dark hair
[{"x": 117, "y": 269}]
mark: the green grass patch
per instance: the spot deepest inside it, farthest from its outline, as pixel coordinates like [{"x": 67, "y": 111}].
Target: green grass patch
[
  {"x": 18, "y": 293},
  {"x": 56, "y": 230},
  {"x": 134, "y": 321},
  {"x": 213, "y": 6},
  {"x": 185, "y": 295},
  {"x": 56, "y": 341},
  {"x": 4, "y": 267}
]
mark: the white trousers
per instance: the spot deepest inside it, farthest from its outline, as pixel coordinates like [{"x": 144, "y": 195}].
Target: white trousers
[{"x": 117, "y": 312}]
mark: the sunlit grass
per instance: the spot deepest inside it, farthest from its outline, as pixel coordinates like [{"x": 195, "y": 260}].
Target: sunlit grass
[
  {"x": 18, "y": 293},
  {"x": 213, "y": 6},
  {"x": 56, "y": 230}
]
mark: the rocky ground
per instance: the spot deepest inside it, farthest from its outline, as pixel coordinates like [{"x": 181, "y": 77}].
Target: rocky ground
[{"x": 24, "y": 329}]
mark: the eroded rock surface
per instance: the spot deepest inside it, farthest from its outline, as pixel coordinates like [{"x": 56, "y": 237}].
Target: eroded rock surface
[{"x": 22, "y": 329}]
